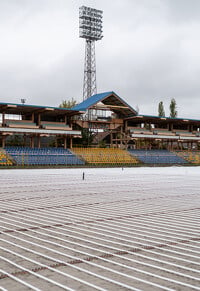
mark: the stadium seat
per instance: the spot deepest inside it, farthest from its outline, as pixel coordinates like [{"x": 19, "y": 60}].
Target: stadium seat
[
  {"x": 192, "y": 157},
  {"x": 157, "y": 157},
  {"x": 105, "y": 156},
  {"x": 43, "y": 156},
  {"x": 5, "y": 160}
]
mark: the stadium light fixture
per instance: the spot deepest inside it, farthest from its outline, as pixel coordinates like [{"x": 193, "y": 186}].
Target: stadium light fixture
[
  {"x": 90, "y": 23},
  {"x": 23, "y": 100},
  {"x": 90, "y": 28}
]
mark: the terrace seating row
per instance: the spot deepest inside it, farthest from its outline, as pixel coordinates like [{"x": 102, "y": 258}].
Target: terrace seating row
[
  {"x": 157, "y": 157},
  {"x": 105, "y": 156},
  {"x": 20, "y": 123},
  {"x": 183, "y": 132},
  {"x": 55, "y": 125},
  {"x": 191, "y": 156},
  {"x": 43, "y": 156},
  {"x": 29, "y": 124},
  {"x": 140, "y": 130},
  {"x": 156, "y": 131},
  {"x": 164, "y": 131},
  {"x": 51, "y": 150}
]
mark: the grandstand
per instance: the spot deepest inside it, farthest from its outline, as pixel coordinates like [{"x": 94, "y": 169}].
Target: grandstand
[
  {"x": 94, "y": 156},
  {"x": 43, "y": 135},
  {"x": 105, "y": 156},
  {"x": 33, "y": 123}
]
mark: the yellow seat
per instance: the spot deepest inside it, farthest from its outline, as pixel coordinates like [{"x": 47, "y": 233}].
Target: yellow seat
[
  {"x": 192, "y": 157},
  {"x": 4, "y": 159},
  {"x": 105, "y": 156}
]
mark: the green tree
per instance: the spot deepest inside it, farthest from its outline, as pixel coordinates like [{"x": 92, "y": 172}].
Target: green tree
[
  {"x": 173, "y": 108},
  {"x": 161, "y": 111},
  {"x": 87, "y": 137},
  {"x": 68, "y": 103}
]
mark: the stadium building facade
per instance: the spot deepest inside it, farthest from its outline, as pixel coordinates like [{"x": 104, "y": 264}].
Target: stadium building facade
[{"x": 108, "y": 119}]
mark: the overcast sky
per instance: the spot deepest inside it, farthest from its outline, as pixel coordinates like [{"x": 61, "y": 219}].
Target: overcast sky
[{"x": 150, "y": 52}]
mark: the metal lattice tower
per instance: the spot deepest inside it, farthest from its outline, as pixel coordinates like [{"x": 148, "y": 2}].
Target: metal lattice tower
[
  {"x": 91, "y": 29},
  {"x": 89, "y": 84}
]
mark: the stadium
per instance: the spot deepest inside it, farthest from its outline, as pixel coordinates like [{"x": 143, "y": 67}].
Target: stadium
[
  {"x": 97, "y": 196},
  {"x": 106, "y": 224},
  {"x": 114, "y": 135},
  {"x": 102, "y": 130}
]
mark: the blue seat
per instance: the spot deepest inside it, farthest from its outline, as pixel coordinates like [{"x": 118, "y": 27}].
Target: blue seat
[
  {"x": 157, "y": 157},
  {"x": 43, "y": 156}
]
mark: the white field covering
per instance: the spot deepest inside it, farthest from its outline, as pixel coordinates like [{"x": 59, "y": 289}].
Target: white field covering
[{"x": 119, "y": 229}]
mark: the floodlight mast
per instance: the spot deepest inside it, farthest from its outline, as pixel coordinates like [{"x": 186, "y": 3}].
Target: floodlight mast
[{"x": 90, "y": 28}]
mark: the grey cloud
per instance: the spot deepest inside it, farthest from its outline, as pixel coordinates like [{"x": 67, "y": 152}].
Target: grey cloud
[{"x": 150, "y": 52}]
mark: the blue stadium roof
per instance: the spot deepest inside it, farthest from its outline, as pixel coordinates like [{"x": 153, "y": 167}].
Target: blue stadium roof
[
  {"x": 19, "y": 108},
  {"x": 163, "y": 119},
  {"x": 111, "y": 99},
  {"x": 83, "y": 106}
]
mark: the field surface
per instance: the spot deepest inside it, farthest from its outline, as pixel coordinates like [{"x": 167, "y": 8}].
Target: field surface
[{"x": 116, "y": 229}]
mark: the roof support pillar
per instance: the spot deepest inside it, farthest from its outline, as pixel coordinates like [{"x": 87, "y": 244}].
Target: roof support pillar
[
  {"x": 32, "y": 117},
  {"x": 32, "y": 141},
  {"x": 39, "y": 141},
  {"x": 3, "y": 141},
  {"x": 111, "y": 139},
  {"x": 65, "y": 142},
  {"x": 39, "y": 119},
  {"x": 125, "y": 126},
  {"x": 65, "y": 120},
  {"x": 70, "y": 143},
  {"x": 3, "y": 118}
]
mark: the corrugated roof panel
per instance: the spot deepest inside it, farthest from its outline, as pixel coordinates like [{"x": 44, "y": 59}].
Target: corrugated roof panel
[
  {"x": 166, "y": 118},
  {"x": 83, "y": 106},
  {"x": 33, "y": 106},
  {"x": 108, "y": 98}
]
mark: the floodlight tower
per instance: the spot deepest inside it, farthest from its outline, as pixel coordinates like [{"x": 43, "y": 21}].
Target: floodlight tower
[{"x": 90, "y": 28}]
